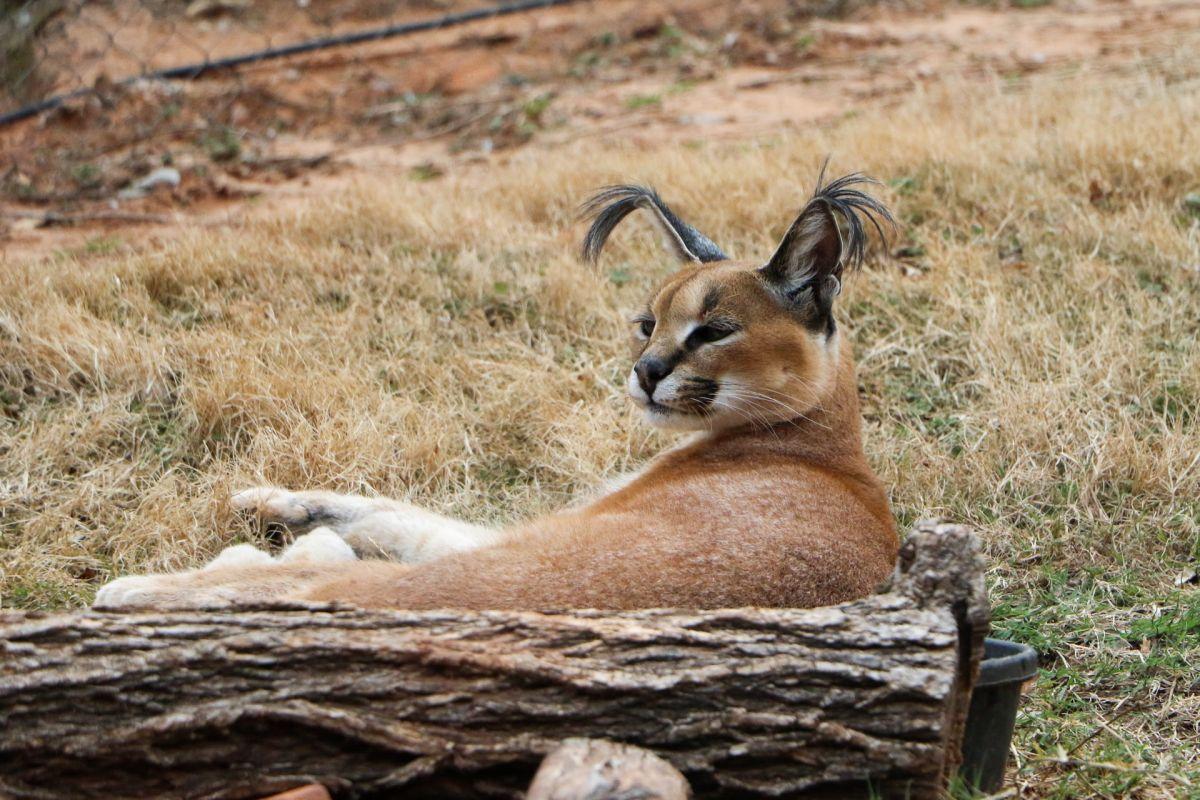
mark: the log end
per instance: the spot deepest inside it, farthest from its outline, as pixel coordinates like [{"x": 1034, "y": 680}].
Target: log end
[{"x": 601, "y": 770}]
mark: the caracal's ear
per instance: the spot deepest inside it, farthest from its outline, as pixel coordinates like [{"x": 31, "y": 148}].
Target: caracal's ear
[
  {"x": 808, "y": 265},
  {"x": 613, "y": 203}
]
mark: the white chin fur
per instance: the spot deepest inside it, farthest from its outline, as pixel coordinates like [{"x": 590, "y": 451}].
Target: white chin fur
[{"x": 673, "y": 420}]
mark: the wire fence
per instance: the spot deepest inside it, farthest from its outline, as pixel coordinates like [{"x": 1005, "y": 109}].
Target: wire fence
[
  {"x": 108, "y": 86},
  {"x": 106, "y": 102},
  {"x": 43, "y": 39}
]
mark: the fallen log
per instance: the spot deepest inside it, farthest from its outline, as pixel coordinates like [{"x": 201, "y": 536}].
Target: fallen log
[{"x": 868, "y": 696}]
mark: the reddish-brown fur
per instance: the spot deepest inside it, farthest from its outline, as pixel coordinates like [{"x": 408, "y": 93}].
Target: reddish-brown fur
[{"x": 789, "y": 515}]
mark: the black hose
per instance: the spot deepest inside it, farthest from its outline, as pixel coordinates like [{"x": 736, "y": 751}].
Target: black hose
[{"x": 195, "y": 70}]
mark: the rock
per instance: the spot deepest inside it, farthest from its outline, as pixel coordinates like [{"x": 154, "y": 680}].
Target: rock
[
  {"x": 601, "y": 770},
  {"x": 214, "y": 8},
  {"x": 704, "y": 119},
  {"x": 163, "y": 176}
]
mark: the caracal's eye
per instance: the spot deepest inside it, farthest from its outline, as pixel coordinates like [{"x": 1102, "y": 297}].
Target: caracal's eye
[
  {"x": 645, "y": 328},
  {"x": 707, "y": 334}
]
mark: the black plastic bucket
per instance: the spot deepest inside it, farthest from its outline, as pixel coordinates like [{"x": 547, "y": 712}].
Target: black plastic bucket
[{"x": 993, "y": 712}]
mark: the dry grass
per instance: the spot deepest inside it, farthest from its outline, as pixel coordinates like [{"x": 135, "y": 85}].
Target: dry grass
[{"x": 1033, "y": 370}]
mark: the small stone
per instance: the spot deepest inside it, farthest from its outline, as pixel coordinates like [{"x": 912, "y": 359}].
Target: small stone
[
  {"x": 213, "y": 8},
  {"x": 703, "y": 119},
  {"x": 163, "y": 176}
]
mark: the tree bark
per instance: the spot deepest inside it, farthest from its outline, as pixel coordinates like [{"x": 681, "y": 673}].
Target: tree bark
[{"x": 868, "y": 696}]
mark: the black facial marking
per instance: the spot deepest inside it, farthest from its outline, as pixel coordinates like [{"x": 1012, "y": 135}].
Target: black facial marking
[
  {"x": 701, "y": 391},
  {"x": 712, "y": 332},
  {"x": 711, "y": 299},
  {"x": 672, "y": 359}
]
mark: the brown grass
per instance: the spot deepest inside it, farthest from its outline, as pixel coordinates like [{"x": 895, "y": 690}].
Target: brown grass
[{"x": 1032, "y": 368}]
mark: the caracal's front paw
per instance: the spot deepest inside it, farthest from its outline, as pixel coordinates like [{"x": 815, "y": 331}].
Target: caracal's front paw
[
  {"x": 272, "y": 504},
  {"x": 321, "y": 546},
  {"x": 182, "y": 589},
  {"x": 240, "y": 555},
  {"x": 161, "y": 592},
  {"x": 132, "y": 591}
]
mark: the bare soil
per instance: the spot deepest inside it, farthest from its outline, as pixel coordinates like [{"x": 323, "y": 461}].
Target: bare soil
[{"x": 425, "y": 105}]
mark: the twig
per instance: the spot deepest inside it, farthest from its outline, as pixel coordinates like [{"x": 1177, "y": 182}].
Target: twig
[
  {"x": 51, "y": 218},
  {"x": 1108, "y": 766},
  {"x": 444, "y": 130},
  {"x": 1104, "y": 725}
]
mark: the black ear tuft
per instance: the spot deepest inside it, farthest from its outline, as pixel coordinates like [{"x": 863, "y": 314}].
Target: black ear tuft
[
  {"x": 809, "y": 262},
  {"x": 814, "y": 244},
  {"x": 613, "y": 203}
]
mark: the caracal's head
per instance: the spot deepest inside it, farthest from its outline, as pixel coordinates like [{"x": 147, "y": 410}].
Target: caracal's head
[{"x": 723, "y": 343}]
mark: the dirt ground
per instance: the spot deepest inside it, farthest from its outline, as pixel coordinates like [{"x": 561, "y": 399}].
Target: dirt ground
[{"x": 425, "y": 105}]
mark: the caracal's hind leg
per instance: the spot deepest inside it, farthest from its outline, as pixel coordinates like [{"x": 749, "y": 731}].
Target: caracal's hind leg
[
  {"x": 372, "y": 526},
  {"x": 239, "y": 575}
]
